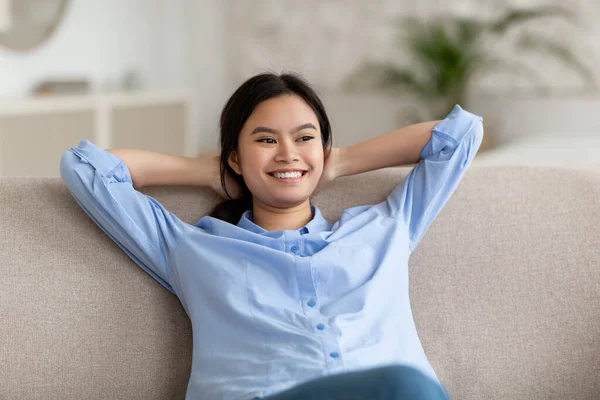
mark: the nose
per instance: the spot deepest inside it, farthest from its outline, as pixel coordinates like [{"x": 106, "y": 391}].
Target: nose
[{"x": 287, "y": 151}]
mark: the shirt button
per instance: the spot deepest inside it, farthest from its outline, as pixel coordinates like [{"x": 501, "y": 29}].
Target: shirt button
[
  {"x": 311, "y": 303},
  {"x": 321, "y": 327},
  {"x": 294, "y": 249},
  {"x": 335, "y": 354}
]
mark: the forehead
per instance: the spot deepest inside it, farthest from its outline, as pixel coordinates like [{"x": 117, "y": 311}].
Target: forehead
[{"x": 284, "y": 111}]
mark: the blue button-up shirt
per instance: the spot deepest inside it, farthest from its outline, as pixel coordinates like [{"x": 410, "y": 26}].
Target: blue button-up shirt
[{"x": 273, "y": 309}]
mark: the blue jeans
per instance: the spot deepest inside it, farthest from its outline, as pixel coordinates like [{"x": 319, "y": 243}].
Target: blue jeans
[{"x": 395, "y": 382}]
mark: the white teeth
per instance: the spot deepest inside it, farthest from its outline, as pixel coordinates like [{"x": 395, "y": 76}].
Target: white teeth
[{"x": 287, "y": 175}]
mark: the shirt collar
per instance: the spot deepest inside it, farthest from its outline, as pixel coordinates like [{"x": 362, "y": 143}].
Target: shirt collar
[{"x": 317, "y": 224}]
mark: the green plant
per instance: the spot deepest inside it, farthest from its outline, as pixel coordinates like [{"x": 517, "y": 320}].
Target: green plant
[{"x": 449, "y": 53}]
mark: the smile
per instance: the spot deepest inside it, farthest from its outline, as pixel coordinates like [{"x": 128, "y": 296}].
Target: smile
[{"x": 292, "y": 179}]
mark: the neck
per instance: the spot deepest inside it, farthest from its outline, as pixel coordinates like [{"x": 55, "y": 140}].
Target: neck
[{"x": 275, "y": 219}]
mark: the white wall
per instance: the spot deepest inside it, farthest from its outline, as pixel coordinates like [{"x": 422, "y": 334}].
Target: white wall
[
  {"x": 207, "y": 74},
  {"x": 208, "y": 47},
  {"x": 101, "y": 40},
  {"x": 174, "y": 44},
  {"x": 327, "y": 39}
]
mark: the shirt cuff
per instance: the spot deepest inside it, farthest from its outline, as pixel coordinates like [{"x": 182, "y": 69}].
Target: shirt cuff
[
  {"x": 104, "y": 163},
  {"x": 455, "y": 126}
]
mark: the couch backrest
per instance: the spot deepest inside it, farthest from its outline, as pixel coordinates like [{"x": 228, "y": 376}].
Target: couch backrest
[{"x": 504, "y": 287}]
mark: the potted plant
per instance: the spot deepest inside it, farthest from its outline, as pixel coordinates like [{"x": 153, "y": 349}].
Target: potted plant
[{"x": 447, "y": 54}]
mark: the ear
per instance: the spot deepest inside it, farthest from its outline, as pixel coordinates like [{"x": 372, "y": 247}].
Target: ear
[{"x": 233, "y": 161}]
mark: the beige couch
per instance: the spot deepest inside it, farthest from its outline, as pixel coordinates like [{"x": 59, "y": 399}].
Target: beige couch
[{"x": 505, "y": 290}]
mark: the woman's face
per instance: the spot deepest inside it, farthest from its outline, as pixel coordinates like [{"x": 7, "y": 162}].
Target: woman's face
[{"x": 282, "y": 133}]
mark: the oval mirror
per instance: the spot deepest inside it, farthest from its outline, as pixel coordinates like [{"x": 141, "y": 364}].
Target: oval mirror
[{"x": 26, "y": 24}]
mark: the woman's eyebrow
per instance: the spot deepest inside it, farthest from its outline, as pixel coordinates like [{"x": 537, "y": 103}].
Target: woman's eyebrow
[{"x": 275, "y": 131}]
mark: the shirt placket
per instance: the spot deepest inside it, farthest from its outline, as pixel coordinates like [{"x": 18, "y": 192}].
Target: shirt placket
[{"x": 317, "y": 324}]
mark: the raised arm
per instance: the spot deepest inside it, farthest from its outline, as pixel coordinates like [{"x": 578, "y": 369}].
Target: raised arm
[
  {"x": 443, "y": 149},
  {"x": 102, "y": 182},
  {"x": 148, "y": 168},
  {"x": 399, "y": 147}
]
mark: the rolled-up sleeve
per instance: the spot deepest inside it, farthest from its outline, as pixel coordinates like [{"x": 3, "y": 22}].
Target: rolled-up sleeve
[
  {"x": 444, "y": 160},
  {"x": 101, "y": 184}
]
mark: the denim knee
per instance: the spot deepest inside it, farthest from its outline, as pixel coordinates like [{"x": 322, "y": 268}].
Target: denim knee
[{"x": 405, "y": 382}]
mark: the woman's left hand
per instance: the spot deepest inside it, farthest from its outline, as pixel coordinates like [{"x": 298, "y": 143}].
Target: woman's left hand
[{"x": 330, "y": 168}]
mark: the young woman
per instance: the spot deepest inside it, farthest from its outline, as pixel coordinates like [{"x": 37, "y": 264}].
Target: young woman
[{"x": 284, "y": 304}]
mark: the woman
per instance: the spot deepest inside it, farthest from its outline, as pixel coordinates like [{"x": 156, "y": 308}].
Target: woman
[{"x": 284, "y": 304}]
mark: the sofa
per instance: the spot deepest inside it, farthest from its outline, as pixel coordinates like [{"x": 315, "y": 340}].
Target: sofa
[{"x": 504, "y": 287}]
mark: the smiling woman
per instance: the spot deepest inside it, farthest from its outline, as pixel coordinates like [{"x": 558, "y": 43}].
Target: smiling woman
[
  {"x": 275, "y": 135},
  {"x": 284, "y": 304}
]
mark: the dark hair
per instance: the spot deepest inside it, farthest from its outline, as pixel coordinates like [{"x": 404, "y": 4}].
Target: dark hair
[{"x": 238, "y": 109}]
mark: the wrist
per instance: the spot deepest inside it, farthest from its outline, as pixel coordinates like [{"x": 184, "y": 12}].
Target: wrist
[
  {"x": 205, "y": 170},
  {"x": 341, "y": 162}
]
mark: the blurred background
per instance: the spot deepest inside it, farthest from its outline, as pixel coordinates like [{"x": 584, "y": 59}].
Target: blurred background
[{"x": 154, "y": 74}]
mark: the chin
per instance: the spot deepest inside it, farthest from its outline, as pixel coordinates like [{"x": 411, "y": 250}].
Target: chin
[{"x": 287, "y": 202}]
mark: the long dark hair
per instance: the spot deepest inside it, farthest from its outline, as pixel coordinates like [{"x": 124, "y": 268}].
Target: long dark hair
[{"x": 238, "y": 109}]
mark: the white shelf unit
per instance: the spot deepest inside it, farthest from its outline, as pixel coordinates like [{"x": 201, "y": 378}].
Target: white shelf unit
[{"x": 34, "y": 133}]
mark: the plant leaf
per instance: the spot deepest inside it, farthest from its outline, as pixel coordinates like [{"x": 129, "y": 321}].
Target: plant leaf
[
  {"x": 440, "y": 57},
  {"x": 515, "y": 17},
  {"x": 469, "y": 31},
  {"x": 529, "y": 41},
  {"x": 386, "y": 76},
  {"x": 492, "y": 64}
]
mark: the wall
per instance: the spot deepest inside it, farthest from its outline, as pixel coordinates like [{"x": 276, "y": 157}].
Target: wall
[
  {"x": 327, "y": 39},
  {"x": 209, "y": 47},
  {"x": 207, "y": 75},
  {"x": 101, "y": 40},
  {"x": 174, "y": 44}
]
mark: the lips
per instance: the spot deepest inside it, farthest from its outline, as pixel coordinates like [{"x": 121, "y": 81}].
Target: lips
[
  {"x": 289, "y": 180},
  {"x": 283, "y": 172}
]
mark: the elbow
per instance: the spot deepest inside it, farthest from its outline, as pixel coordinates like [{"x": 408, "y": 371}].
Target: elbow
[
  {"x": 66, "y": 165},
  {"x": 479, "y": 131},
  {"x": 478, "y": 135},
  {"x": 475, "y": 140},
  {"x": 68, "y": 169}
]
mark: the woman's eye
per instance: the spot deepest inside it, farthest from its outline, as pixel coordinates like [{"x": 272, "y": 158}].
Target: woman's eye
[{"x": 305, "y": 138}]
